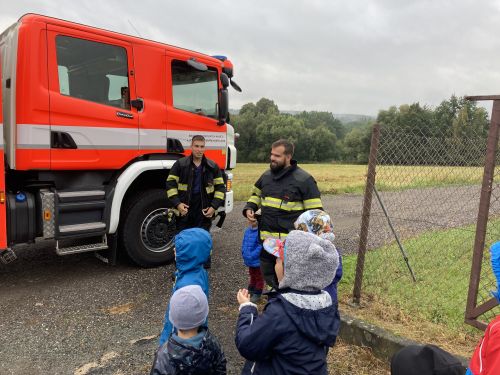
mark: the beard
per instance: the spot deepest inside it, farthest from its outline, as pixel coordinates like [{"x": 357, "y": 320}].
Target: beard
[{"x": 275, "y": 167}]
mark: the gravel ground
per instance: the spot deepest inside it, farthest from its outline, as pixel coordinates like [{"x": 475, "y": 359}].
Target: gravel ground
[{"x": 76, "y": 315}]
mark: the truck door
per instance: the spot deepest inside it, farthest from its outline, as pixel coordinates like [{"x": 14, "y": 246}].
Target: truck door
[
  {"x": 91, "y": 81},
  {"x": 192, "y": 105}
]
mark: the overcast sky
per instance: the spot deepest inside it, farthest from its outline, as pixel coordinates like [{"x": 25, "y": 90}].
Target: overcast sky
[{"x": 341, "y": 56}]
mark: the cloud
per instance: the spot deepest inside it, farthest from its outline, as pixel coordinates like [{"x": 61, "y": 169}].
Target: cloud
[{"x": 345, "y": 57}]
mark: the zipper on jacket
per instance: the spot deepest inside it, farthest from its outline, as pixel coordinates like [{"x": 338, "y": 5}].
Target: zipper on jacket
[
  {"x": 203, "y": 186},
  {"x": 190, "y": 181}
]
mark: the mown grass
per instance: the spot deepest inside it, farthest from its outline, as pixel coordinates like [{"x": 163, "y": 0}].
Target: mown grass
[
  {"x": 347, "y": 178},
  {"x": 432, "y": 309}
]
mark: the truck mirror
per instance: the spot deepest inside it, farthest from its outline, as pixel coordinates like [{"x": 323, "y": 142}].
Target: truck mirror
[
  {"x": 224, "y": 79},
  {"x": 235, "y": 86},
  {"x": 223, "y": 106}
]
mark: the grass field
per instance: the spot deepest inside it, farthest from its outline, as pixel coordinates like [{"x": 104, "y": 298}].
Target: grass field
[
  {"x": 432, "y": 309},
  {"x": 346, "y": 178}
]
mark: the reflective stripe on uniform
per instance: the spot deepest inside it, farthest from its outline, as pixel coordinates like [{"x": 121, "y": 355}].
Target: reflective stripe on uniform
[
  {"x": 255, "y": 200},
  {"x": 256, "y": 191},
  {"x": 172, "y": 177},
  {"x": 210, "y": 189},
  {"x": 218, "y": 180},
  {"x": 264, "y": 234},
  {"x": 219, "y": 195},
  {"x": 312, "y": 203},
  {"x": 172, "y": 192},
  {"x": 183, "y": 187},
  {"x": 282, "y": 205}
]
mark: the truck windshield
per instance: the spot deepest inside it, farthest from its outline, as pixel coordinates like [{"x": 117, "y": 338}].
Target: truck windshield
[{"x": 194, "y": 91}]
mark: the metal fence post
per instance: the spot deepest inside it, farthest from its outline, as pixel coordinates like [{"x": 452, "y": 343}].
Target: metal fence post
[
  {"x": 482, "y": 217},
  {"x": 365, "y": 218}
]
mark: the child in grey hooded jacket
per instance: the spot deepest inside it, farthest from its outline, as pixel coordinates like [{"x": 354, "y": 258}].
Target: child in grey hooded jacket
[{"x": 294, "y": 331}]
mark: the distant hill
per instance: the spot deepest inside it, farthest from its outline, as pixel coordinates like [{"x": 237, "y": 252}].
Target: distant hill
[{"x": 345, "y": 118}]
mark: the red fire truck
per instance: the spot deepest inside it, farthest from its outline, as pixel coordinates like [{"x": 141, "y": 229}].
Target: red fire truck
[{"x": 92, "y": 122}]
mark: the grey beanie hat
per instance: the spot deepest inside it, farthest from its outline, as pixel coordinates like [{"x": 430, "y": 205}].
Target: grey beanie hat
[
  {"x": 188, "y": 307},
  {"x": 310, "y": 262}
]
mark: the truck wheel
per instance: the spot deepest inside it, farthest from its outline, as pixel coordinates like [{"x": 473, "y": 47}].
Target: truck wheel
[{"x": 148, "y": 229}]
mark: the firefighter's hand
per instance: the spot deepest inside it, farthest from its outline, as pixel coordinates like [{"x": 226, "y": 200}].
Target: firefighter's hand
[
  {"x": 250, "y": 216},
  {"x": 182, "y": 208},
  {"x": 243, "y": 296},
  {"x": 208, "y": 212}
]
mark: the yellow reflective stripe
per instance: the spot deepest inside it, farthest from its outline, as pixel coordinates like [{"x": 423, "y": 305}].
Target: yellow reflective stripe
[
  {"x": 210, "y": 189},
  {"x": 264, "y": 234},
  {"x": 218, "y": 180},
  {"x": 282, "y": 205},
  {"x": 219, "y": 195},
  {"x": 173, "y": 177},
  {"x": 312, "y": 203},
  {"x": 254, "y": 199},
  {"x": 269, "y": 204},
  {"x": 256, "y": 191},
  {"x": 172, "y": 192},
  {"x": 271, "y": 199},
  {"x": 182, "y": 187},
  {"x": 293, "y": 206}
]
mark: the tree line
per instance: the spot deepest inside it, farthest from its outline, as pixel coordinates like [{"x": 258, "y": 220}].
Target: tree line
[{"x": 320, "y": 137}]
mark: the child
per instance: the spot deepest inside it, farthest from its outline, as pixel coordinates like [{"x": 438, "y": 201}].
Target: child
[
  {"x": 192, "y": 249},
  {"x": 318, "y": 222},
  {"x": 193, "y": 349},
  {"x": 486, "y": 357},
  {"x": 250, "y": 251},
  {"x": 294, "y": 331}
]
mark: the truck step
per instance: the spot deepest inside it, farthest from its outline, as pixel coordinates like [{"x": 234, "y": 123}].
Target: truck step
[
  {"x": 82, "y": 248},
  {"x": 7, "y": 256},
  {"x": 80, "y": 195},
  {"x": 85, "y": 227}
]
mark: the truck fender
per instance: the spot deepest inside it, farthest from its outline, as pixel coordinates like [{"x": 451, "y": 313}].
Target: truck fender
[{"x": 125, "y": 180}]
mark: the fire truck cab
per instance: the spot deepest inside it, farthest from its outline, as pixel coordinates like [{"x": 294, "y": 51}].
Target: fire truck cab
[{"x": 93, "y": 121}]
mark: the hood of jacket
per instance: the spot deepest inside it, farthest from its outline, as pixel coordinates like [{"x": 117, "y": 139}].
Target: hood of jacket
[
  {"x": 192, "y": 249},
  {"x": 310, "y": 262},
  {"x": 314, "y": 315},
  {"x": 174, "y": 357}
]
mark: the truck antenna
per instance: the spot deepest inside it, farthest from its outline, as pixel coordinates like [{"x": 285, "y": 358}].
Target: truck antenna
[{"x": 131, "y": 24}]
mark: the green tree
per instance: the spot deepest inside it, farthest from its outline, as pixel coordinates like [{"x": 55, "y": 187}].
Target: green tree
[
  {"x": 356, "y": 145},
  {"x": 313, "y": 120}
]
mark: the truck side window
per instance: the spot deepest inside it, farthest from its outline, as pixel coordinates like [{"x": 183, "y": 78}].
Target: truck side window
[
  {"x": 93, "y": 71},
  {"x": 194, "y": 91}
]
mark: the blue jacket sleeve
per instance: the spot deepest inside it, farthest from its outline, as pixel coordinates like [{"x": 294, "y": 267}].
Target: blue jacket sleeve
[
  {"x": 167, "y": 327},
  {"x": 257, "y": 335}
]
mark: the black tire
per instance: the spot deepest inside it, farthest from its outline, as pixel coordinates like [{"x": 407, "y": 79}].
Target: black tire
[{"x": 148, "y": 229}]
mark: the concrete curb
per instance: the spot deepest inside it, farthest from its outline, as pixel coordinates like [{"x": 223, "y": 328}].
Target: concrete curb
[{"x": 382, "y": 343}]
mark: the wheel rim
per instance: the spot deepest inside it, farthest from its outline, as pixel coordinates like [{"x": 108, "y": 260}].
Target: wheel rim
[{"x": 158, "y": 230}]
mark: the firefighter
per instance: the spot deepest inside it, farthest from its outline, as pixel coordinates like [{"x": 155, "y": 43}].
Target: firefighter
[
  {"x": 195, "y": 187},
  {"x": 282, "y": 193}
]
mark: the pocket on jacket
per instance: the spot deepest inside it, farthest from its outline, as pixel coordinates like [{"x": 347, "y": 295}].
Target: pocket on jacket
[{"x": 210, "y": 188}]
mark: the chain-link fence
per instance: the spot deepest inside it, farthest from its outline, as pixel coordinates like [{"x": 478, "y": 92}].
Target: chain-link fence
[{"x": 419, "y": 223}]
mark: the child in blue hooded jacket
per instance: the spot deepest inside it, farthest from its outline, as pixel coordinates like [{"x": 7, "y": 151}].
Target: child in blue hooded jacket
[
  {"x": 250, "y": 251},
  {"x": 192, "y": 249}
]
